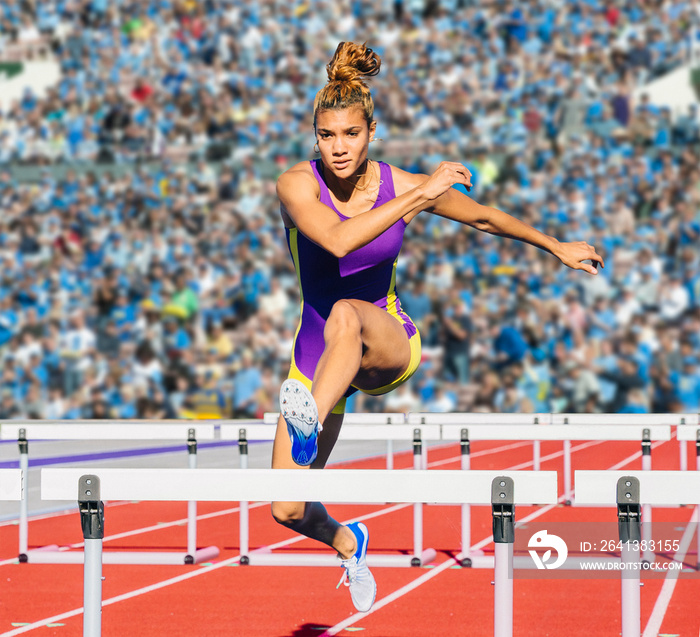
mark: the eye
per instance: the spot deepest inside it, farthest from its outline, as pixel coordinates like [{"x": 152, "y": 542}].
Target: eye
[{"x": 324, "y": 135}]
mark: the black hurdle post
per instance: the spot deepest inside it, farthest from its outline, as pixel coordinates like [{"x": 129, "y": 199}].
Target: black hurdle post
[
  {"x": 629, "y": 514},
  {"x": 192, "y": 505},
  {"x": 92, "y": 514},
  {"x": 465, "y": 451},
  {"x": 243, "y": 520},
  {"x": 503, "y": 512},
  {"x": 23, "y": 445},
  {"x": 647, "y": 555},
  {"x": 417, "y": 506}
]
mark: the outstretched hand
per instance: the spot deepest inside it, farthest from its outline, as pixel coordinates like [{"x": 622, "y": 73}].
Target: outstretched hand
[
  {"x": 574, "y": 254},
  {"x": 446, "y": 175}
]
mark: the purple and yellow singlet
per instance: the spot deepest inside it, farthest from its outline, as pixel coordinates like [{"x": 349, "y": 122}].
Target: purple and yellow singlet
[{"x": 367, "y": 274}]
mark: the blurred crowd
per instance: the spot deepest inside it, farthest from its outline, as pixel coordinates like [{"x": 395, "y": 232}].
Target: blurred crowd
[
  {"x": 225, "y": 78},
  {"x": 168, "y": 291}
]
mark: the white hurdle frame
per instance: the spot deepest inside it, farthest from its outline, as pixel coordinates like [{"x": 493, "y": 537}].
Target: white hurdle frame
[
  {"x": 354, "y": 429},
  {"x": 642, "y": 427},
  {"x": 550, "y": 427},
  {"x": 659, "y": 488},
  {"x": 502, "y": 490},
  {"x": 684, "y": 434},
  {"x": 465, "y": 419},
  {"x": 182, "y": 431},
  {"x": 685, "y": 421},
  {"x": 465, "y": 428}
]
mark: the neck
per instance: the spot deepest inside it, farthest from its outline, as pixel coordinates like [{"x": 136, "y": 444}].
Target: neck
[{"x": 345, "y": 188}]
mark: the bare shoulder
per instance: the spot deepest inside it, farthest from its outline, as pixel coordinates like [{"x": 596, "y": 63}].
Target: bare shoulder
[
  {"x": 294, "y": 174},
  {"x": 297, "y": 182},
  {"x": 405, "y": 181}
]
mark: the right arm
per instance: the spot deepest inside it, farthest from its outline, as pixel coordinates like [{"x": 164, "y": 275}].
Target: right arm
[{"x": 299, "y": 195}]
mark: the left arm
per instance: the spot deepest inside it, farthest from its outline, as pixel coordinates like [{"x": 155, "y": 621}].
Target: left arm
[{"x": 458, "y": 207}]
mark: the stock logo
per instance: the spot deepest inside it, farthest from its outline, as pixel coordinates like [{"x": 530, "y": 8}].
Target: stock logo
[{"x": 547, "y": 541}]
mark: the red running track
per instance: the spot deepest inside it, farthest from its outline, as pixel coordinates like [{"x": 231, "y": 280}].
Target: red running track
[{"x": 223, "y": 598}]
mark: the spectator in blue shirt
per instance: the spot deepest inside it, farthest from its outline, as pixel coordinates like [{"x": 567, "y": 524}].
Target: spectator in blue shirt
[{"x": 246, "y": 383}]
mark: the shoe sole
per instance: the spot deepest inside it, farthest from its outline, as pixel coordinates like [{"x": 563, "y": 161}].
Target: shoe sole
[{"x": 299, "y": 410}]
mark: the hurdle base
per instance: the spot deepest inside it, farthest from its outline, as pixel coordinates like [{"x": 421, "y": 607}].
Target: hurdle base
[
  {"x": 466, "y": 561},
  {"x": 269, "y": 558},
  {"x": 24, "y": 557},
  {"x": 55, "y": 556}
]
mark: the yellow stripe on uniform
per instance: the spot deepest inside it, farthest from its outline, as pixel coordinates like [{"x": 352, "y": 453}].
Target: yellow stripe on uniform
[
  {"x": 391, "y": 298},
  {"x": 294, "y": 247}
]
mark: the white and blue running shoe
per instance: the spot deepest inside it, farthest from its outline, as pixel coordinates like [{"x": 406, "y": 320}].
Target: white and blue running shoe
[
  {"x": 299, "y": 411},
  {"x": 363, "y": 588}
]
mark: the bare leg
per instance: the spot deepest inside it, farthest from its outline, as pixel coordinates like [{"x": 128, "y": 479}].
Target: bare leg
[
  {"x": 311, "y": 518},
  {"x": 365, "y": 346}
]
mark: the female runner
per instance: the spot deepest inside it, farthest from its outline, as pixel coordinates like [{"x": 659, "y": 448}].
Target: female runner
[{"x": 345, "y": 217}]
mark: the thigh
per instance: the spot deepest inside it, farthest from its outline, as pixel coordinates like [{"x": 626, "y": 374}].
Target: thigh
[
  {"x": 282, "y": 446},
  {"x": 386, "y": 351}
]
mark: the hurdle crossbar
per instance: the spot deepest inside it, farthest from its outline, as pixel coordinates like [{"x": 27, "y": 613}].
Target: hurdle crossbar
[
  {"x": 501, "y": 491},
  {"x": 11, "y": 485},
  {"x": 189, "y": 431},
  {"x": 372, "y": 486},
  {"x": 658, "y": 488},
  {"x": 350, "y": 431},
  {"x": 461, "y": 419}
]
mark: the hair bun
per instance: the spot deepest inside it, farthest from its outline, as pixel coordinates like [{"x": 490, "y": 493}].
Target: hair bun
[{"x": 353, "y": 62}]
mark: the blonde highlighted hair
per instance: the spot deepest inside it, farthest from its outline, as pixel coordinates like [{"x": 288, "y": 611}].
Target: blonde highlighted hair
[{"x": 346, "y": 87}]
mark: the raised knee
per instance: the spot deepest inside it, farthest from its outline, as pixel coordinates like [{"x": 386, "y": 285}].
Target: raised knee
[
  {"x": 343, "y": 317},
  {"x": 287, "y": 513}
]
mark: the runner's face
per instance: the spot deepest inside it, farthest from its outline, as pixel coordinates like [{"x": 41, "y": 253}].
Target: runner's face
[{"x": 343, "y": 137}]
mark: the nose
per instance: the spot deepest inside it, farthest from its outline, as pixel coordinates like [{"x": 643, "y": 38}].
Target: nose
[{"x": 338, "y": 147}]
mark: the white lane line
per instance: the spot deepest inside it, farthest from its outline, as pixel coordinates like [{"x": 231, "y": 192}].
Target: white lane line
[
  {"x": 478, "y": 454},
  {"x": 557, "y": 454},
  {"x": 670, "y": 581},
  {"x": 622, "y": 463},
  {"x": 334, "y": 630},
  {"x": 55, "y": 513},
  {"x": 165, "y": 525}
]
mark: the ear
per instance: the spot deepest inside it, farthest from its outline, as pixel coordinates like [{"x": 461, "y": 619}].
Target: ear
[{"x": 372, "y": 130}]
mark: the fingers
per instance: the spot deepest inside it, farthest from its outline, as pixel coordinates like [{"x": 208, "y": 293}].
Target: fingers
[
  {"x": 460, "y": 172},
  {"x": 579, "y": 252},
  {"x": 595, "y": 258}
]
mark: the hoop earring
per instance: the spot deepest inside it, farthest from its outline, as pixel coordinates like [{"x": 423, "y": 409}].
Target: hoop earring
[
  {"x": 316, "y": 148},
  {"x": 376, "y": 139}
]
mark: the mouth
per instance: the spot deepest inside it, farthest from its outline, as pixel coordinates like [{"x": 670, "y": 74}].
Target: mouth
[{"x": 340, "y": 165}]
